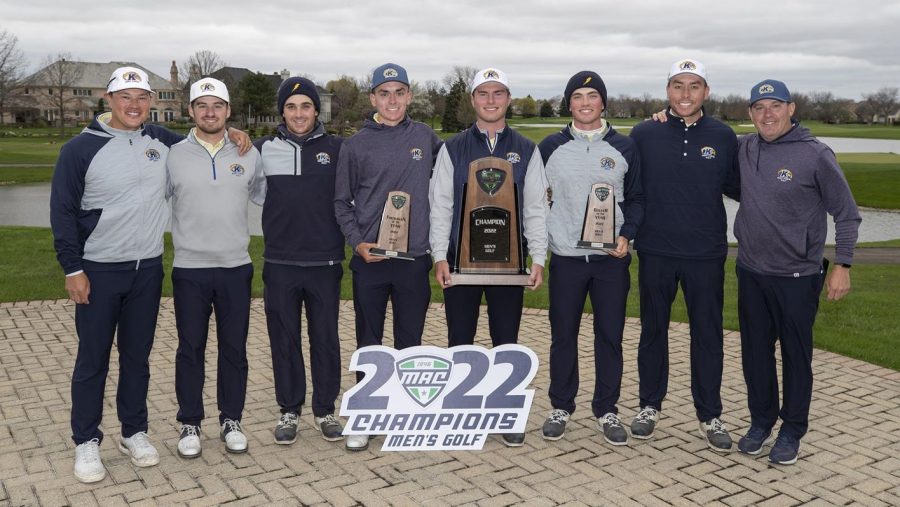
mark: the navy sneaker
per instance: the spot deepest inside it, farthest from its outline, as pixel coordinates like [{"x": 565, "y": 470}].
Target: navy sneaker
[
  {"x": 753, "y": 442},
  {"x": 785, "y": 450}
]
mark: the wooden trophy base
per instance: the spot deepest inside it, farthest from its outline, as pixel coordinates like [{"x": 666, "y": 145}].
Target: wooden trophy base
[{"x": 391, "y": 254}]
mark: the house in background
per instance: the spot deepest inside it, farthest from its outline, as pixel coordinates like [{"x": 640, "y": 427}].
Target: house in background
[{"x": 80, "y": 87}]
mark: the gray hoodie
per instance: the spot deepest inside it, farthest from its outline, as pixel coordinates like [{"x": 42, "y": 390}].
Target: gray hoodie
[{"x": 788, "y": 187}]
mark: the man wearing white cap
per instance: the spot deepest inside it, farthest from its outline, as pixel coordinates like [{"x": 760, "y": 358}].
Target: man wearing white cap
[
  {"x": 210, "y": 184},
  {"x": 108, "y": 213},
  {"x": 689, "y": 160},
  {"x": 487, "y": 137}
]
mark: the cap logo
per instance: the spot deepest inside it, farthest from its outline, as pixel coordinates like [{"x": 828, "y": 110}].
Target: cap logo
[
  {"x": 207, "y": 87},
  {"x": 766, "y": 88},
  {"x": 588, "y": 80},
  {"x": 131, "y": 77},
  {"x": 687, "y": 65},
  {"x": 491, "y": 74},
  {"x": 296, "y": 85},
  {"x": 390, "y": 72}
]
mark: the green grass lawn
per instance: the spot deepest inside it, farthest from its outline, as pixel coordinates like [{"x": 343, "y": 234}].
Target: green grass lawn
[
  {"x": 862, "y": 326},
  {"x": 30, "y": 150}
]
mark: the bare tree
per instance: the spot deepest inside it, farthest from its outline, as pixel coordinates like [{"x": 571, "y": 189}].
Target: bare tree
[
  {"x": 12, "y": 60},
  {"x": 55, "y": 81},
  {"x": 464, "y": 72},
  {"x": 884, "y": 102},
  {"x": 200, "y": 64}
]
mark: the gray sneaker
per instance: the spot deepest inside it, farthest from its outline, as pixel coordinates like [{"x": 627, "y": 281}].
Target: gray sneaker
[
  {"x": 286, "y": 430},
  {"x": 644, "y": 423},
  {"x": 330, "y": 427},
  {"x": 555, "y": 425},
  {"x": 613, "y": 431},
  {"x": 717, "y": 437}
]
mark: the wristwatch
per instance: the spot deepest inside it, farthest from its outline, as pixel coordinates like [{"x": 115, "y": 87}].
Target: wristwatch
[{"x": 844, "y": 265}]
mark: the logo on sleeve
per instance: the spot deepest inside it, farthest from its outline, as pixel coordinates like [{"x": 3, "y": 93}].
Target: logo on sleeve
[
  {"x": 785, "y": 175},
  {"x": 323, "y": 158},
  {"x": 152, "y": 155},
  {"x": 607, "y": 163},
  {"x": 416, "y": 153},
  {"x": 236, "y": 170},
  {"x": 513, "y": 157},
  {"x": 708, "y": 152}
]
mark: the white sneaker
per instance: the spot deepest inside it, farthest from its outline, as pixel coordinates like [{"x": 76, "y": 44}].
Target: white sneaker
[
  {"x": 189, "y": 443},
  {"x": 357, "y": 442},
  {"x": 88, "y": 467},
  {"x": 233, "y": 436},
  {"x": 138, "y": 446}
]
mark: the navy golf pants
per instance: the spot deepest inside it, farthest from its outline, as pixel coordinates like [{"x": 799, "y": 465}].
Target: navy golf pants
[
  {"x": 607, "y": 281},
  {"x": 779, "y": 308},
  {"x": 197, "y": 291},
  {"x": 287, "y": 290},
  {"x": 123, "y": 303},
  {"x": 702, "y": 282},
  {"x": 504, "y": 306}
]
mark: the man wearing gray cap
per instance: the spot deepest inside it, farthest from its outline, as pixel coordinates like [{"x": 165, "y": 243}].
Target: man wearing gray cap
[
  {"x": 689, "y": 160},
  {"x": 108, "y": 212},
  {"x": 488, "y": 137},
  {"x": 210, "y": 185},
  {"x": 790, "y": 183},
  {"x": 389, "y": 153}
]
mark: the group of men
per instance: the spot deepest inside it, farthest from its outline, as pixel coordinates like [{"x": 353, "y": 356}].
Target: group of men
[{"x": 319, "y": 192}]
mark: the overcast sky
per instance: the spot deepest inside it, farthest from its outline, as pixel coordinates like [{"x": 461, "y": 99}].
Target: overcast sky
[{"x": 846, "y": 47}]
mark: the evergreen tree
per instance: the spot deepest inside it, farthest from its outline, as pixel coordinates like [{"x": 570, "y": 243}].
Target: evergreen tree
[
  {"x": 564, "y": 109},
  {"x": 450, "y": 121},
  {"x": 546, "y": 109}
]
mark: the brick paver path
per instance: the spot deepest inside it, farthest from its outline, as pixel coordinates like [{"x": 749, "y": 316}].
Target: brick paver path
[{"x": 850, "y": 456}]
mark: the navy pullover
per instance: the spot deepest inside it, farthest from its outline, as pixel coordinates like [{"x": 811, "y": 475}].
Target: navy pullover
[
  {"x": 686, "y": 169},
  {"x": 299, "y": 227}
]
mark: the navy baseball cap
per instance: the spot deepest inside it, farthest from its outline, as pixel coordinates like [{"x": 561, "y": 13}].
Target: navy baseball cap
[
  {"x": 387, "y": 73},
  {"x": 769, "y": 89}
]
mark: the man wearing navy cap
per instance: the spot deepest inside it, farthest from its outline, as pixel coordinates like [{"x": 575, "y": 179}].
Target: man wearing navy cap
[
  {"x": 689, "y": 160},
  {"x": 487, "y": 137},
  {"x": 790, "y": 183},
  {"x": 304, "y": 249},
  {"x": 390, "y": 152}
]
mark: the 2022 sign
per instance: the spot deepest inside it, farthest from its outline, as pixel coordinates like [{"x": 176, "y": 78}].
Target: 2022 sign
[{"x": 429, "y": 398}]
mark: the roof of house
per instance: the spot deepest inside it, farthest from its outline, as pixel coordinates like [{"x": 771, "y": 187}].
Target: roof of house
[
  {"x": 96, "y": 75},
  {"x": 230, "y": 75}
]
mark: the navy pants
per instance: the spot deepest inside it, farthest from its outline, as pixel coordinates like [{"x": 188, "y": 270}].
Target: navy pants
[
  {"x": 123, "y": 303},
  {"x": 504, "y": 306},
  {"x": 197, "y": 291},
  {"x": 287, "y": 290},
  {"x": 607, "y": 281},
  {"x": 407, "y": 286},
  {"x": 702, "y": 282},
  {"x": 780, "y": 308}
]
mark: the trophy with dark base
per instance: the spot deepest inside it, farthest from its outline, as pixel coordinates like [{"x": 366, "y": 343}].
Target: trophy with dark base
[
  {"x": 489, "y": 245},
  {"x": 599, "y": 229},
  {"x": 393, "y": 233}
]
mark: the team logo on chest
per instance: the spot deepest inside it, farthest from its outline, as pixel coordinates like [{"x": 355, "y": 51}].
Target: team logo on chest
[
  {"x": 416, "y": 153},
  {"x": 424, "y": 377},
  {"x": 785, "y": 175},
  {"x": 607, "y": 163},
  {"x": 708, "y": 152},
  {"x": 236, "y": 170},
  {"x": 152, "y": 155},
  {"x": 513, "y": 157},
  {"x": 323, "y": 158}
]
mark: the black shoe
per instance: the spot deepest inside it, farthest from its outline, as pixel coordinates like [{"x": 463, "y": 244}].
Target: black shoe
[
  {"x": 286, "y": 430},
  {"x": 330, "y": 427},
  {"x": 753, "y": 442},
  {"x": 613, "y": 431},
  {"x": 555, "y": 425},
  {"x": 785, "y": 451},
  {"x": 513, "y": 439}
]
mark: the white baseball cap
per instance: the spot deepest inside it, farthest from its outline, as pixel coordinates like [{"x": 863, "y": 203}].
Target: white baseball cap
[
  {"x": 124, "y": 78},
  {"x": 209, "y": 87},
  {"x": 687, "y": 66},
  {"x": 490, "y": 74}
]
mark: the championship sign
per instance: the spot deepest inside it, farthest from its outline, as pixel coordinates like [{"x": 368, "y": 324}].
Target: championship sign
[{"x": 428, "y": 398}]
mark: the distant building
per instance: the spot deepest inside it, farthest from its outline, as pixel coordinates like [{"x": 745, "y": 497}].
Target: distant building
[{"x": 84, "y": 88}]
